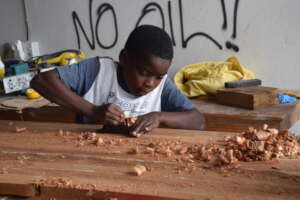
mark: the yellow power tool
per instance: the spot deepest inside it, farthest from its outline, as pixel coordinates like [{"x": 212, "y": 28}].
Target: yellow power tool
[{"x": 61, "y": 58}]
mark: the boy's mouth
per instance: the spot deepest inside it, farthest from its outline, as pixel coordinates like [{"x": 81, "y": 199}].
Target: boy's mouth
[{"x": 141, "y": 93}]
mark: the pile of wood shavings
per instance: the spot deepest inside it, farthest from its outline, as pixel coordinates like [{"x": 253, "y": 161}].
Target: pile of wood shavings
[
  {"x": 92, "y": 138},
  {"x": 262, "y": 145},
  {"x": 253, "y": 145},
  {"x": 89, "y": 138},
  {"x": 84, "y": 138},
  {"x": 62, "y": 183}
]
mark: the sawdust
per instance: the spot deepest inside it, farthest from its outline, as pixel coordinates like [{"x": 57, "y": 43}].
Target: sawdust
[
  {"x": 54, "y": 182},
  {"x": 64, "y": 183},
  {"x": 265, "y": 144}
]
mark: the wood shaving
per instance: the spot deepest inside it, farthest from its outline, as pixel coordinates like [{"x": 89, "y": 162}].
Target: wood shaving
[
  {"x": 130, "y": 121},
  {"x": 100, "y": 141},
  {"x": 21, "y": 129},
  {"x": 89, "y": 138},
  {"x": 139, "y": 170},
  {"x": 55, "y": 182}
]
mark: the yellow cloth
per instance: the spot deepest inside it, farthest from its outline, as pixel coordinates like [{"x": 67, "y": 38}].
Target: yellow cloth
[{"x": 207, "y": 77}]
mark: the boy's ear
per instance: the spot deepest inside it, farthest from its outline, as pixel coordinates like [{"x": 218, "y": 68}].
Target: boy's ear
[{"x": 122, "y": 55}]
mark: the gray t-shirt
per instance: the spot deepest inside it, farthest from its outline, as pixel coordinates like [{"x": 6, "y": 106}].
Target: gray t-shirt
[{"x": 80, "y": 77}]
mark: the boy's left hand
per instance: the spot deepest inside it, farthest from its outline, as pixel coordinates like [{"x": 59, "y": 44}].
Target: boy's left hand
[{"x": 145, "y": 124}]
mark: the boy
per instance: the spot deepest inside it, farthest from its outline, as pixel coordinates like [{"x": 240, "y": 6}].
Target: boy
[{"x": 105, "y": 92}]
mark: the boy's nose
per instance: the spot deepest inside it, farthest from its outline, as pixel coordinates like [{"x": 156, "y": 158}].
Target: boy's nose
[{"x": 149, "y": 83}]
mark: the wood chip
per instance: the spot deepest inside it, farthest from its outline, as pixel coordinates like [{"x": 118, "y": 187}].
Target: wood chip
[
  {"x": 139, "y": 170},
  {"x": 99, "y": 141},
  {"x": 21, "y": 129}
]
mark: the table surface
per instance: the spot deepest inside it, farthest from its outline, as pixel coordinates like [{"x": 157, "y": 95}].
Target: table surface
[{"x": 105, "y": 171}]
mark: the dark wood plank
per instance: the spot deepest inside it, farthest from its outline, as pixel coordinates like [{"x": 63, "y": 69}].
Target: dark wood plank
[
  {"x": 17, "y": 189},
  {"x": 227, "y": 118},
  {"x": 253, "y": 97}
]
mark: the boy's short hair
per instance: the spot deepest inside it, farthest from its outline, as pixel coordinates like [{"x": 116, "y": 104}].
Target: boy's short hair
[{"x": 148, "y": 40}]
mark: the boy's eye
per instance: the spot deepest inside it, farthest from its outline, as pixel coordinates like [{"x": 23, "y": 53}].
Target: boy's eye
[{"x": 144, "y": 73}]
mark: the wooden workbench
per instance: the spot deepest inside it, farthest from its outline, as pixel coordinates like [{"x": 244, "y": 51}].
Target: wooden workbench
[{"x": 105, "y": 172}]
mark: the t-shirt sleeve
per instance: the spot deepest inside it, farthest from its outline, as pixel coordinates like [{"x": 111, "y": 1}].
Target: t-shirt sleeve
[
  {"x": 172, "y": 100},
  {"x": 80, "y": 77}
]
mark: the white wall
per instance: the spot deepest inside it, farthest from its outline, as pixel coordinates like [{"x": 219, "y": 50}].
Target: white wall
[
  {"x": 267, "y": 32},
  {"x": 12, "y": 24}
]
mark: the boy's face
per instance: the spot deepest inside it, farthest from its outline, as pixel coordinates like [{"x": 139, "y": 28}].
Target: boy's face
[{"x": 142, "y": 75}]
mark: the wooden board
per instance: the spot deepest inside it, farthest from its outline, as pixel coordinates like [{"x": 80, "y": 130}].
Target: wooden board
[
  {"x": 104, "y": 172},
  {"x": 226, "y": 118},
  {"x": 19, "y": 103},
  {"x": 253, "y": 97}
]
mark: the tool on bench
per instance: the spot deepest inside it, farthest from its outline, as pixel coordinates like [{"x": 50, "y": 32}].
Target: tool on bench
[
  {"x": 60, "y": 58},
  {"x": 243, "y": 83},
  {"x": 293, "y": 94},
  {"x": 22, "y": 72},
  {"x": 124, "y": 127}
]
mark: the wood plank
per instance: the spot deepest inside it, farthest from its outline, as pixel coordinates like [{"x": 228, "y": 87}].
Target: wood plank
[
  {"x": 43, "y": 114},
  {"x": 227, "y": 118},
  {"x": 45, "y": 154},
  {"x": 252, "y": 97}
]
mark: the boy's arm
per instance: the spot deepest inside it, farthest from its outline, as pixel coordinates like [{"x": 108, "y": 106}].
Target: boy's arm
[
  {"x": 177, "y": 112},
  {"x": 190, "y": 119},
  {"x": 51, "y": 87}
]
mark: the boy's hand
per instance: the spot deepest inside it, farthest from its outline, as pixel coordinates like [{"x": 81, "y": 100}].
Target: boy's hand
[
  {"x": 108, "y": 114},
  {"x": 145, "y": 124}
]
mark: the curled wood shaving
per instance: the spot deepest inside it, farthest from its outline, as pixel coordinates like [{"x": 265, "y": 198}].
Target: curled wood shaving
[
  {"x": 139, "y": 170},
  {"x": 21, "y": 129}
]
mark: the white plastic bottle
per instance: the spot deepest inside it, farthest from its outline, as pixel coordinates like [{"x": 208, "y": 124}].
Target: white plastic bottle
[{"x": 2, "y": 69}]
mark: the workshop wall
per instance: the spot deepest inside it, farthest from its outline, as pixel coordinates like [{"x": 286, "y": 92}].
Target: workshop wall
[
  {"x": 12, "y": 26},
  {"x": 264, "y": 35}
]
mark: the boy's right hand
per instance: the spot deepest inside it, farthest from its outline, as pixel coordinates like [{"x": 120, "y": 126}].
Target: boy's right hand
[{"x": 108, "y": 114}]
